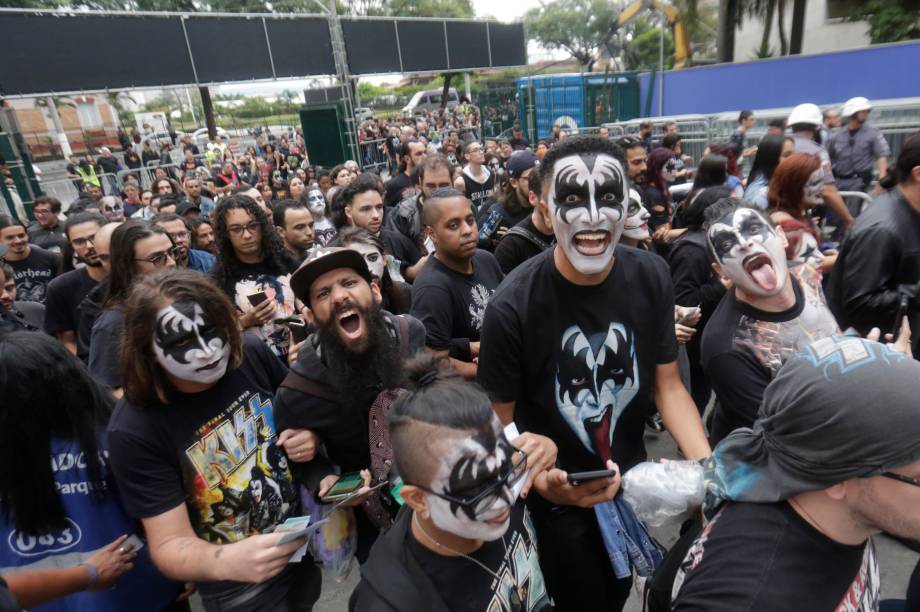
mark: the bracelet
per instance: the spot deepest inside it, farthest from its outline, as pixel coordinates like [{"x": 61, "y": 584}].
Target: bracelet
[{"x": 93, "y": 574}]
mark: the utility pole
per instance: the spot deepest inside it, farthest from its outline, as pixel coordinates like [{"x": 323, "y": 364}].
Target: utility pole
[
  {"x": 661, "y": 25},
  {"x": 60, "y": 134}
]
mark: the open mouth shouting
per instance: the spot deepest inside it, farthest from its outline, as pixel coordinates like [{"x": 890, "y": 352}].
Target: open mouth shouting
[
  {"x": 591, "y": 242},
  {"x": 760, "y": 268},
  {"x": 350, "y": 323}
]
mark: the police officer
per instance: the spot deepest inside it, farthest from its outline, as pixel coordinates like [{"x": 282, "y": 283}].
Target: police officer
[
  {"x": 855, "y": 149},
  {"x": 804, "y": 122}
]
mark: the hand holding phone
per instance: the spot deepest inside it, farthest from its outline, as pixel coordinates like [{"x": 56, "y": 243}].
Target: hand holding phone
[{"x": 576, "y": 478}]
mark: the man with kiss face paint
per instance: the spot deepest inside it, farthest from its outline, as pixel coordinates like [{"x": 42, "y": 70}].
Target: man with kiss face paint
[
  {"x": 769, "y": 313},
  {"x": 323, "y": 228},
  {"x": 193, "y": 435},
  {"x": 462, "y": 541},
  {"x": 574, "y": 344}
]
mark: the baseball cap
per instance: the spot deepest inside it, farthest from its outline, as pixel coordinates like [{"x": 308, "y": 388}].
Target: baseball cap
[
  {"x": 186, "y": 206},
  {"x": 521, "y": 161},
  {"x": 322, "y": 260}
]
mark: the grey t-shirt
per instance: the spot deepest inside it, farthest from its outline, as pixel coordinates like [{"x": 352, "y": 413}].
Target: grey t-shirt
[{"x": 104, "y": 347}]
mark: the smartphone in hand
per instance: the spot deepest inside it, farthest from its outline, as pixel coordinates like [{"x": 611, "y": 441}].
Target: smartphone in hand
[
  {"x": 576, "y": 478},
  {"x": 257, "y": 298},
  {"x": 344, "y": 486}
]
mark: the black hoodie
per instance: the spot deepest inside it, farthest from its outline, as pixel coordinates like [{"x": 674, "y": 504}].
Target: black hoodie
[{"x": 392, "y": 580}]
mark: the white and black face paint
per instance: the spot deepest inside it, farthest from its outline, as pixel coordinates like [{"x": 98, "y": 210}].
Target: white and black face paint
[
  {"x": 750, "y": 252},
  {"x": 374, "y": 258},
  {"x": 813, "y": 187},
  {"x": 470, "y": 466},
  {"x": 671, "y": 168},
  {"x": 587, "y": 201},
  {"x": 188, "y": 345},
  {"x": 636, "y": 218},
  {"x": 316, "y": 202}
]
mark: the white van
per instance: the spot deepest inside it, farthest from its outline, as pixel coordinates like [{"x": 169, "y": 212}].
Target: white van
[{"x": 428, "y": 101}]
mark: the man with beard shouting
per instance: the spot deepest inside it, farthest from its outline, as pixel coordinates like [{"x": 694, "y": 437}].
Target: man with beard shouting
[
  {"x": 771, "y": 312},
  {"x": 357, "y": 351},
  {"x": 575, "y": 343}
]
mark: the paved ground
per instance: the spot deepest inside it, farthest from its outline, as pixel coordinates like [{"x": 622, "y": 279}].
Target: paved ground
[{"x": 896, "y": 560}]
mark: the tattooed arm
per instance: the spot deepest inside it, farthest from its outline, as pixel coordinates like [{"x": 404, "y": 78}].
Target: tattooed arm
[{"x": 182, "y": 555}]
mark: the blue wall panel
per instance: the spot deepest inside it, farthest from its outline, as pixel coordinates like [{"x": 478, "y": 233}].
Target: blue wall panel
[{"x": 877, "y": 72}]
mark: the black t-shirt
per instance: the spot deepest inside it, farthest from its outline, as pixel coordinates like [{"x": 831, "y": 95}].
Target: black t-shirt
[
  {"x": 466, "y": 587},
  {"x": 559, "y": 350},
  {"x": 104, "y": 347},
  {"x": 478, "y": 192},
  {"x": 214, "y": 451},
  {"x": 520, "y": 244},
  {"x": 63, "y": 299},
  {"x": 743, "y": 348},
  {"x": 400, "y": 247},
  {"x": 49, "y": 239},
  {"x": 33, "y": 274},
  {"x": 450, "y": 304},
  {"x": 398, "y": 189},
  {"x": 518, "y": 144},
  {"x": 765, "y": 557}
]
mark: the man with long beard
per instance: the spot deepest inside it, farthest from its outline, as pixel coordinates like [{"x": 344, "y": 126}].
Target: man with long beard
[{"x": 357, "y": 351}]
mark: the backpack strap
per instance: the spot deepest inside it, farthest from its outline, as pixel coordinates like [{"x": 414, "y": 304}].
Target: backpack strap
[
  {"x": 529, "y": 236},
  {"x": 296, "y": 382}
]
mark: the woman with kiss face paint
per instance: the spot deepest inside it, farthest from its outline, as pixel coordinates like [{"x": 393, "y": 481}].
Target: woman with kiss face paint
[
  {"x": 795, "y": 189},
  {"x": 463, "y": 539},
  {"x": 397, "y": 295},
  {"x": 191, "y": 379}
]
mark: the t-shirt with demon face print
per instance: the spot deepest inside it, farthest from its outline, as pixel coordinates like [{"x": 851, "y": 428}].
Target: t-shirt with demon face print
[{"x": 579, "y": 361}]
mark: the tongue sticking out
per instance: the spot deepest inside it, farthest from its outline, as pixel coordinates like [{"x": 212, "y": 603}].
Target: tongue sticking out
[{"x": 765, "y": 276}]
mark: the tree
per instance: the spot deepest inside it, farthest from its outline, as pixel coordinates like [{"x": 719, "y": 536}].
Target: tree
[
  {"x": 889, "y": 21},
  {"x": 578, "y": 27},
  {"x": 428, "y": 8}
]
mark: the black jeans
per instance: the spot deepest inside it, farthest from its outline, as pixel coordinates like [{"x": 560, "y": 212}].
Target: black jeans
[{"x": 574, "y": 561}]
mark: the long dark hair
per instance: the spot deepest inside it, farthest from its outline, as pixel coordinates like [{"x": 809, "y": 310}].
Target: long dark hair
[
  {"x": 228, "y": 265},
  {"x": 765, "y": 162},
  {"x": 47, "y": 393},
  {"x": 123, "y": 274},
  {"x": 145, "y": 383},
  {"x": 395, "y": 301},
  {"x": 656, "y": 161}
]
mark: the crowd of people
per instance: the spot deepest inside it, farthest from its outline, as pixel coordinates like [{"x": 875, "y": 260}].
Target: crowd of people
[{"x": 456, "y": 366}]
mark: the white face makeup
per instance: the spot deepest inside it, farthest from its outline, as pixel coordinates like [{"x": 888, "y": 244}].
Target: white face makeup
[
  {"x": 750, "y": 252},
  {"x": 671, "y": 168},
  {"x": 375, "y": 260},
  {"x": 813, "y": 187},
  {"x": 470, "y": 466},
  {"x": 636, "y": 218},
  {"x": 316, "y": 202},
  {"x": 188, "y": 345},
  {"x": 587, "y": 201}
]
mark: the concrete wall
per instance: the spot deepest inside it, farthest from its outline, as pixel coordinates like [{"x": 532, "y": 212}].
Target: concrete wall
[{"x": 823, "y": 34}]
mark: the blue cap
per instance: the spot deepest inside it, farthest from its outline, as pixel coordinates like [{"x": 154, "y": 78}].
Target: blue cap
[{"x": 521, "y": 161}]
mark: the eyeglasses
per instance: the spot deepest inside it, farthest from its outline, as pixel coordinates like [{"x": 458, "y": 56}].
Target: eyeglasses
[
  {"x": 237, "y": 230},
  {"x": 81, "y": 242},
  {"x": 41, "y": 211},
  {"x": 485, "y": 499},
  {"x": 159, "y": 259},
  {"x": 900, "y": 478},
  {"x": 180, "y": 235}
]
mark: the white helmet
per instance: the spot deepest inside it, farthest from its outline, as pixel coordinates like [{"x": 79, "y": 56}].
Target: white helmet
[
  {"x": 854, "y": 105},
  {"x": 805, "y": 113}
]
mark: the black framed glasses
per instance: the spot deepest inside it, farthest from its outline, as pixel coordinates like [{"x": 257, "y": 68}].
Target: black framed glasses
[
  {"x": 485, "y": 499},
  {"x": 252, "y": 227},
  {"x": 901, "y": 478},
  {"x": 81, "y": 242},
  {"x": 159, "y": 259}
]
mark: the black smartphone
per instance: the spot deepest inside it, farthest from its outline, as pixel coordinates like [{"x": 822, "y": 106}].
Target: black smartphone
[
  {"x": 902, "y": 312},
  {"x": 257, "y": 298},
  {"x": 298, "y": 330},
  {"x": 576, "y": 478}
]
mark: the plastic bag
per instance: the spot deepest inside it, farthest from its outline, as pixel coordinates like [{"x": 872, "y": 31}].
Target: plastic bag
[
  {"x": 663, "y": 493},
  {"x": 336, "y": 541}
]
